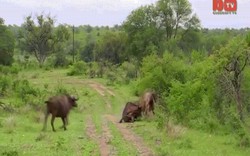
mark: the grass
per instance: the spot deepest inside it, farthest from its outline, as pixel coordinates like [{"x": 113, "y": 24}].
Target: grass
[
  {"x": 20, "y": 131},
  {"x": 123, "y": 148},
  {"x": 190, "y": 142},
  {"x": 26, "y": 137}
]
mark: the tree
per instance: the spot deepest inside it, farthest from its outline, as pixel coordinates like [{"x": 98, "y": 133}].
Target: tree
[
  {"x": 232, "y": 59},
  {"x": 40, "y": 38},
  {"x": 175, "y": 14},
  {"x": 61, "y": 35},
  {"x": 110, "y": 47},
  {"x": 156, "y": 24},
  {"x": 7, "y": 44},
  {"x": 1, "y": 21},
  {"x": 190, "y": 41},
  {"x": 141, "y": 27}
]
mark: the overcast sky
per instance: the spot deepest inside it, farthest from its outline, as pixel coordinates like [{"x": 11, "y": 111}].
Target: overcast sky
[{"x": 111, "y": 12}]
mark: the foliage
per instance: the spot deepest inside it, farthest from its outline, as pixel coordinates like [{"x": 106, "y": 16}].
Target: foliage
[
  {"x": 24, "y": 90},
  {"x": 142, "y": 31},
  {"x": 231, "y": 61},
  {"x": 5, "y": 83},
  {"x": 40, "y": 38},
  {"x": 110, "y": 47},
  {"x": 7, "y": 44},
  {"x": 156, "y": 24},
  {"x": 87, "y": 54},
  {"x": 157, "y": 73},
  {"x": 78, "y": 68}
]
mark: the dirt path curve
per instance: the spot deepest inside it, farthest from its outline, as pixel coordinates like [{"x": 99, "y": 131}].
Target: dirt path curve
[
  {"x": 102, "y": 140},
  {"x": 131, "y": 137},
  {"x": 127, "y": 134},
  {"x": 101, "y": 90}
]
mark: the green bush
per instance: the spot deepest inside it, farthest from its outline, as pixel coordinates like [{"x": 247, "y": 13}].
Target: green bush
[
  {"x": 181, "y": 101},
  {"x": 93, "y": 68},
  {"x": 130, "y": 71},
  {"x": 5, "y": 83},
  {"x": 157, "y": 73},
  {"x": 8, "y": 70},
  {"x": 78, "y": 68},
  {"x": 23, "y": 88},
  {"x": 10, "y": 153},
  {"x": 60, "y": 89}
]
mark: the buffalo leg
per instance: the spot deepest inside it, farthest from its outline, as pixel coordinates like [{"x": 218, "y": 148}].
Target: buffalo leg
[
  {"x": 45, "y": 121},
  {"x": 52, "y": 123},
  {"x": 64, "y": 122},
  {"x": 67, "y": 120},
  {"x": 121, "y": 120},
  {"x": 132, "y": 119}
]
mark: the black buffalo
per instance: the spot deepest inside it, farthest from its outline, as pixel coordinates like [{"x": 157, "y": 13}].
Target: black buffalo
[
  {"x": 59, "y": 106},
  {"x": 131, "y": 112}
]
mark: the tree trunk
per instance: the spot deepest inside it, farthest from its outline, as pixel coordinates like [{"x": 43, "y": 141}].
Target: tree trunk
[{"x": 239, "y": 105}]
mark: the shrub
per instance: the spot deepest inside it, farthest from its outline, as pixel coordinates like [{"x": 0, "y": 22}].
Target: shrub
[
  {"x": 78, "y": 68},
  {"x": 24, "y": 90},
  {"x": 129, "y": 71},
  {"x": 60, "y": 89},
  {"x": 8, "y": 70},
  {"x": 157, "y": 73},
  {"x": 93, "y": 69},
  {"x": 10, "y": 153},
  {"x": 5, "y": 83}
]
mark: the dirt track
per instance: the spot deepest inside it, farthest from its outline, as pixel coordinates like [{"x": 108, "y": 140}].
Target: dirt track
[{"x": 104, "y": 139}]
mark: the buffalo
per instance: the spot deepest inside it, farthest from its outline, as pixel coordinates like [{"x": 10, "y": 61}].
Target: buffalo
[
  {"x": 59, "y": 106},
  {"x": 147, "y": 102},
  {"x": 131, "y": 112}
]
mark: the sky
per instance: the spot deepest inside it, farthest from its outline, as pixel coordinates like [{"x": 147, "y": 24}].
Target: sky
[{"x": 111, "y": 12}]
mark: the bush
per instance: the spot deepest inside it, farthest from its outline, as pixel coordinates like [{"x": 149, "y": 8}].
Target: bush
[
  {"x": 5, "y": 83},
  {"x": 185, "y": 101},
  {"x": 8, "y": 70},
  {"x": 60, "y": 89},
  {"x": 10, "y": 153},
  {"x": 130, "y": 71},
  {"x": 157, "y": 73},
  {"x": 78, "y": 68},
  {"x": 93, "y": 68},
  {"x": 23, "y": 88}
]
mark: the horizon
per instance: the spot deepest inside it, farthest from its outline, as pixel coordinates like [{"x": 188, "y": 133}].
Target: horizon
[{"x": 106, "y": 13}]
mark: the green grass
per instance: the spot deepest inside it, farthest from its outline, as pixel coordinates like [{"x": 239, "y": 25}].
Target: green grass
[
  {"x": 26, "y": 137},
  {"x": 20, "y": 131},
  {"x": 123, "y": 148},
  {"x": 190, "y": 142}
]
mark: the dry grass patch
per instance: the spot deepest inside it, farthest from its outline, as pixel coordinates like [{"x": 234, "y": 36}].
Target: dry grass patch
[{"x": 175, "y": 131}]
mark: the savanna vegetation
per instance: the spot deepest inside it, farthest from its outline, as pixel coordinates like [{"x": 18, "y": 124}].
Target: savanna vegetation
[{"x": 201, "y": 77}]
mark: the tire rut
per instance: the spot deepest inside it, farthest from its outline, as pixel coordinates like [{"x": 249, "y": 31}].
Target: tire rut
[
  {"x": 102, "y": 140},
  {"x": 101, "y": 90},
  {"x": 129, "y": 136}
]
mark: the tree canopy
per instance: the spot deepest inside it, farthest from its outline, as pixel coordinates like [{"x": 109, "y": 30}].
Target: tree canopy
[
  {"x": 40, "y": 38},
  {"x": 7, "y": 44}
]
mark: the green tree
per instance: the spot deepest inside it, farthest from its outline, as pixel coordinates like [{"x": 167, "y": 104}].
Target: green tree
[
  {"x": 40, "y": 38},
  {"x": 175, "y": 14},
  {"x": 7, "y": 44},
  {"x": 191, "y": 40},
  {"x": 232, "y": 60},
  {"x": 142, "y": 30},
  {"x": 153, "y": 25},
  {"x": 60, "y": 50},
  {"x": 110, "y": 47}
]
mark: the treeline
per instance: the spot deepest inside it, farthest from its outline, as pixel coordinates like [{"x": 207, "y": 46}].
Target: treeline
[{"x": 201, "y": 75}]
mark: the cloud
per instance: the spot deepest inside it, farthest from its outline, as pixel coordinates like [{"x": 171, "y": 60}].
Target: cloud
[{"x": 88, "y": 5}]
